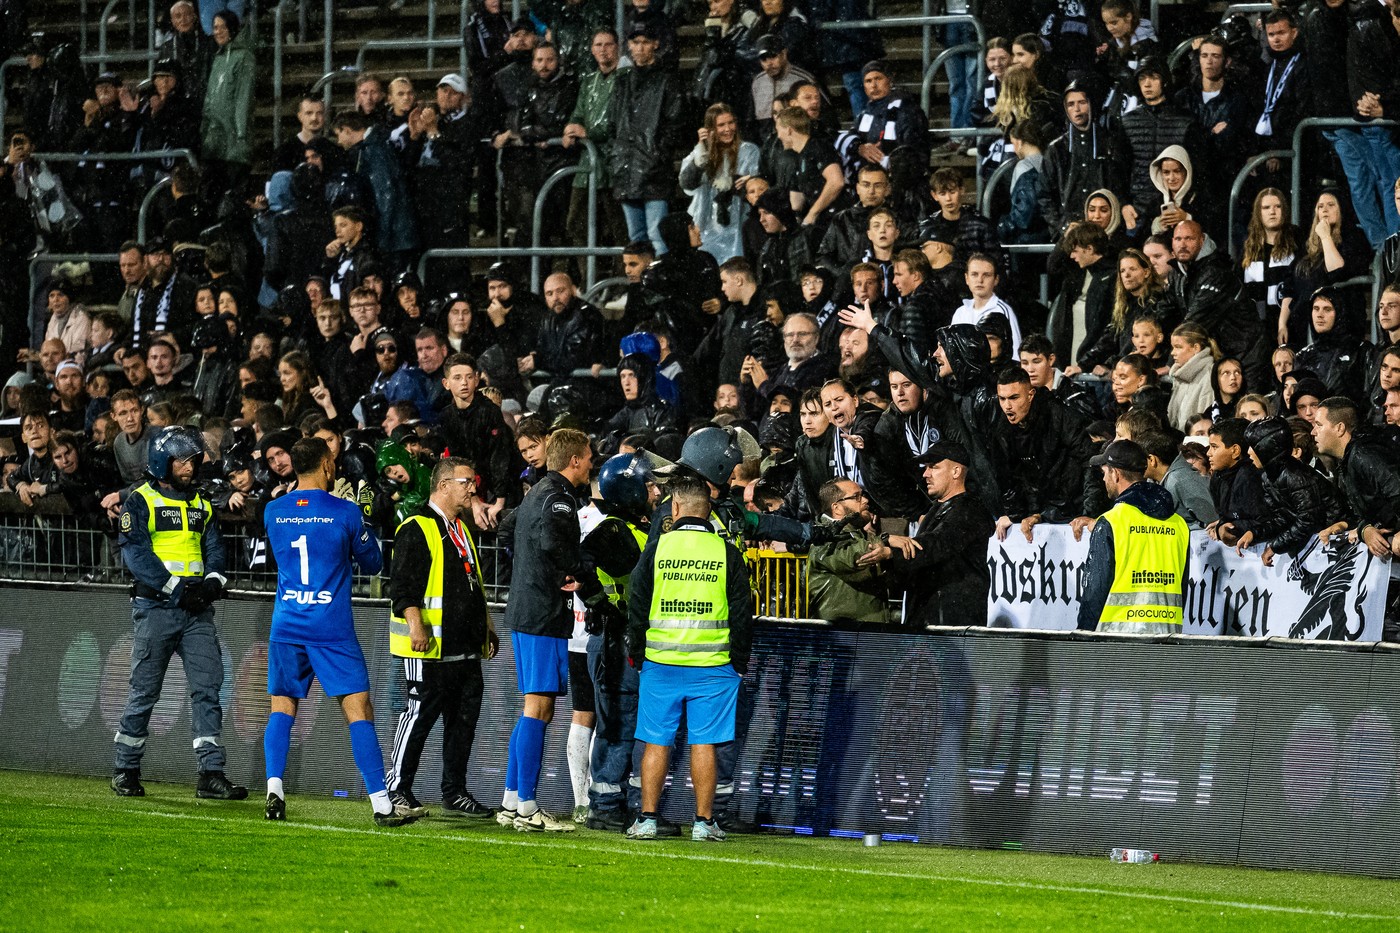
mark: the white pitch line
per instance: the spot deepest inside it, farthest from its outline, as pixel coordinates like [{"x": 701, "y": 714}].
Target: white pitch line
[{"x": 644, "y": 850}]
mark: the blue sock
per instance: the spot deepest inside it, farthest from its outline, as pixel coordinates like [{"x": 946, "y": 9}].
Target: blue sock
[
  {"x": 364, "y": 745},
  {"x": 530, "y": 752},
  {"x": 277, "y": 739},
  {"x": 512, "y": 757}
]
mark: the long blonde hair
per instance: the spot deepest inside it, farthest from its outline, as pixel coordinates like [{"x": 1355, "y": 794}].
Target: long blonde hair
[
  {"x": 1127, "y": 305},
  {"x": 1018, "y": 88},
  {"x": 1314, "y": 249},
  {"x": 1256, "y": 242}
]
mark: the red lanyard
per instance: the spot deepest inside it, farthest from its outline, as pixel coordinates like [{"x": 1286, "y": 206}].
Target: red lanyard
[{"x": 458, "y": 533}]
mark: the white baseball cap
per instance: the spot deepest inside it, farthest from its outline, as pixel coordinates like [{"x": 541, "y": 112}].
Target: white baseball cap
[{"x": 455, "y": 82}]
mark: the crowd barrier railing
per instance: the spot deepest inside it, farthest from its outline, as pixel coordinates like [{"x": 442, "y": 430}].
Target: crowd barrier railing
[{"x": 1226, "y": 595}]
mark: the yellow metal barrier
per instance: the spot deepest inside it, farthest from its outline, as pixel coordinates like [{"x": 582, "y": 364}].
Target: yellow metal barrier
[{"x": 780, "y": 583}]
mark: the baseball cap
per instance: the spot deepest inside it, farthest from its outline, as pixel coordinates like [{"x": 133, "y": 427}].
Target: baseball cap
[
  {"x": 770, "y": 45},
  {"x": 383, "y": 335},
  {"x": 945, "y": 451},
  {"x": 455, "y": 82},
  {"x": 107, "y": 77},
  {"x": 1122, "y": 455},
  {"x": 643, "y": 29}
]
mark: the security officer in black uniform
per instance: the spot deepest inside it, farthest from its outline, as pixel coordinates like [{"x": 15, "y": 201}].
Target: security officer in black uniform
[{"x": 171, "y": 543}]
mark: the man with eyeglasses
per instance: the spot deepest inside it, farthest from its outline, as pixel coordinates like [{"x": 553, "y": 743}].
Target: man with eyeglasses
[
  {"x": 806, "y": 368},
  {"x": 841, "y": 588},
  {"x": 845, "y": 241},
  {"x": 364, "y": 312},
  {"x": 442, "y": 630}
]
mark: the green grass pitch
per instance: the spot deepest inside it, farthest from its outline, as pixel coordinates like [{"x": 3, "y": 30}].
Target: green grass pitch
[{"x": 79, "y": 858}]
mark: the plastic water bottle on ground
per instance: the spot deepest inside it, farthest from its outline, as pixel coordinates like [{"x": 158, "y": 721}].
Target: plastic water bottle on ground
[{"x": 1132, "y": 856}]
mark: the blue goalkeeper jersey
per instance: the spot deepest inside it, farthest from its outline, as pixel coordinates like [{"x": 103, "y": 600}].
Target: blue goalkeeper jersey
[{"x": 313, "y": 537}]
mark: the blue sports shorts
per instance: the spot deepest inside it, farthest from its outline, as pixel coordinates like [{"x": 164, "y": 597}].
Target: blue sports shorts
[
  {"x": 541, "y": 663},
  {"x": 708, "y": 695},
  {"x": 340, "y": 668}
]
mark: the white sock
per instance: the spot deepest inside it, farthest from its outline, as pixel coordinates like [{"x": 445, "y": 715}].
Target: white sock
[
  {"x": 274, "y": 788},
  {"x": 381, "y": 802},
  {"x": 527, "y": 807},
  {"x": 510, "y": 800},
  {"x": 580, "y": 745}
]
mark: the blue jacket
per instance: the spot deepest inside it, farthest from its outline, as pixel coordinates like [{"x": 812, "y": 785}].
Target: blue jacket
[{"x": 377, "y": 164}]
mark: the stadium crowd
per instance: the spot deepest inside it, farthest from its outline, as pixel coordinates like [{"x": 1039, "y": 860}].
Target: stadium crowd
[{"x": 793, "y": 268}]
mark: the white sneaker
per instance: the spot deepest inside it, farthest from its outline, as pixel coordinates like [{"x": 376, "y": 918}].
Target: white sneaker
[
  {"x": 581, "y": 814},
  {"x": 541, "y": 822},
  {"x": 506, "y": 816}
]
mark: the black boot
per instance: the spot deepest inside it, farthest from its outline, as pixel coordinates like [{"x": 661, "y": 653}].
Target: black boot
[
  {"x": 126, "y": 782},
  {"x": 214, "y": 786}
]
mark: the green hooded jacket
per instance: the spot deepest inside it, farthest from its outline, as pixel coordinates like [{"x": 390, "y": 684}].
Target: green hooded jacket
[{"x": 228, "y": 104}]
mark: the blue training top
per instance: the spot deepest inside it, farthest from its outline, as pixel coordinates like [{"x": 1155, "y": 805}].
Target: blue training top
[{"x": 313, "y": 536}]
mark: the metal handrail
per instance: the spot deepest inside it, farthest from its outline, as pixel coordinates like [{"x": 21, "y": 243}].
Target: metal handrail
[
  {"x": 411, "y": 44},
  {"x": 103, "y": 57},
  {"x": 1308, "y": 123},
  {"x": 977, "y": 131},
  {"x": 153, "y": 156},
  {"x": 146, "y": 203},
  {"x": 595, "y": 291},
  {"x": 323, "y": 83},
  {"x": 1245, "y": 8},
  {"x": 923, "y": 22},
  {"x": 944, "y": 59},
  {"x": 102, "y": 30},
  {"x": 568, "y": 171},
  {"x": 511, "y": 252},
  {"x": 1004, "y": 170},
  {"x": 1237, "y": 188}
]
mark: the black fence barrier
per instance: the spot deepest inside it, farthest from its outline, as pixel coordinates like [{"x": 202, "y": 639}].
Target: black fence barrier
[{"x": 1214, "y": 751}]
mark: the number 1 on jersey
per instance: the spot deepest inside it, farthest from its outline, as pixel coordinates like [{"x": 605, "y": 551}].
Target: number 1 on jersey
[{"x": 299, "y": 545}]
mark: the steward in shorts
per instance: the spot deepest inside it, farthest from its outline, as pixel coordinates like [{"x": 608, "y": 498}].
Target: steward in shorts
[{"x": 690, "y": 615}]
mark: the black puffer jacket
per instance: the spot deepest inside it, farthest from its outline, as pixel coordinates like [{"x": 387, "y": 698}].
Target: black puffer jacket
[
  {"x": 922, "y": 313},
  {"x": 1339, "y": 357},
  {"x": 645, "y": 113},
  {"x": 1076, "y": 165},
  {"x": 1301, "y": 500},
  {"x": 1149, "y": 129},
  {"x": 1040, "y": 463},
  {"x": 814, "y": 467}
]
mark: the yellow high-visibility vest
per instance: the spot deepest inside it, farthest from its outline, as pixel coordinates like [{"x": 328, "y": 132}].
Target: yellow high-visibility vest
[
  {"x": 177, "y": 528},
  {"x": 1148, "y": 556},
  {"x": 689, "y": 600},
  {"x": 400, "y": 643}
]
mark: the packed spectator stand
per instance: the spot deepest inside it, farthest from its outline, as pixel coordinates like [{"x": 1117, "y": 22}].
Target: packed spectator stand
[{"x": 852, "y": 230}]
